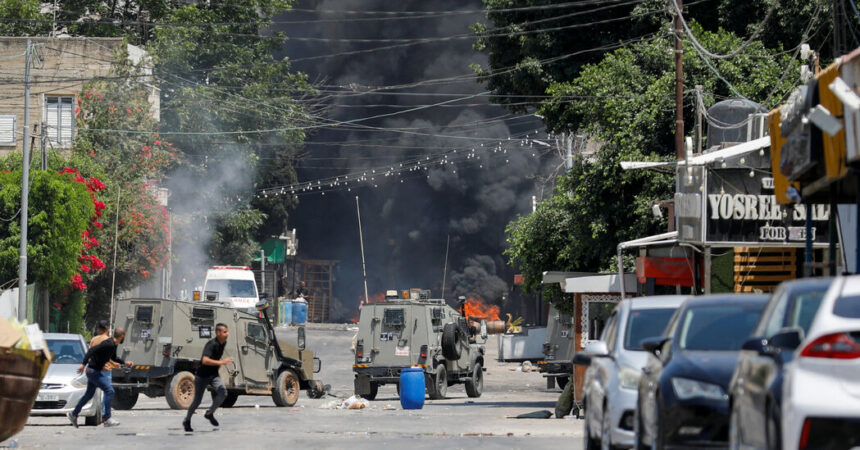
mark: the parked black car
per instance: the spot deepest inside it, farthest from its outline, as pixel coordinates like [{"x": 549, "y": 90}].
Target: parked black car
[
  {"x": 682, "y": 391},
  {"x": 755, "y": 392}
]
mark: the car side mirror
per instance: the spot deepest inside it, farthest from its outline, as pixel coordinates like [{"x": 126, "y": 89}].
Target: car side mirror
[
  {"x": 581, "y": 359},
  {"x": 596, "y": 349},
  {"x": 654, "y": 344},
  {"x": 786, "y": 340},
  {"x": 301, "y": 338},
  {"x": 756, "y": 344}
]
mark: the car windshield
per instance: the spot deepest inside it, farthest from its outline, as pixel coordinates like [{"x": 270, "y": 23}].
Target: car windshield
[
  {"x": 718, "y": 327},
  {"x": 645, "y": 323},
  {"x": 66, "y": 351},
  {"x": 231, "y": 288},
  {"x": 848, "y": 306}
]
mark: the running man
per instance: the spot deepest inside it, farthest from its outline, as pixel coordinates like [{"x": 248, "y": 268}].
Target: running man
[
  {"x": 207, "y": 375},
  {"x": 94, "y": 362},
  {"x": 102, "y": 335}
]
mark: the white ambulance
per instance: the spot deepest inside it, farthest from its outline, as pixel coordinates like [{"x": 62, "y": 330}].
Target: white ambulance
[{"x": 234, "y": 285}]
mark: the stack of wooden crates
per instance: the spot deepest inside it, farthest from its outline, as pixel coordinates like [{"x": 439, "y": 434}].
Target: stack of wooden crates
[{"x": 758, "y": 269}]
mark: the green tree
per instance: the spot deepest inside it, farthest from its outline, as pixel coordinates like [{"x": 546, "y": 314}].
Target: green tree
[
  {"x": 626, "y": 105},
  {"x": 59, "y": 213},
  {"x": 22, "y": 18}
]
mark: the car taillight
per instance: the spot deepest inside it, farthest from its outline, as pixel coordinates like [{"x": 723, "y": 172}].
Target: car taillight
[
  {"x": 422, "y": 357},
  {"x": 804, "y": 434},
  {"x": 166, "y": 351},
  {"x": 834, "y": 346},
  {"x": 359, "y": 351}
]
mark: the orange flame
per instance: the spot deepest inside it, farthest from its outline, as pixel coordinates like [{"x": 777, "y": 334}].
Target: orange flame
[
  {"x": 477, "y": 309},
  {"x": 353, "y": 319}
]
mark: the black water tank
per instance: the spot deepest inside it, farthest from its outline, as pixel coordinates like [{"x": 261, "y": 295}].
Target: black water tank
[{"x": 725, "y": 117}]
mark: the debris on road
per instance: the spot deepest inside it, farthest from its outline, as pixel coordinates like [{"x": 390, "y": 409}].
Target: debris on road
[{"x": 542, "y": 414}]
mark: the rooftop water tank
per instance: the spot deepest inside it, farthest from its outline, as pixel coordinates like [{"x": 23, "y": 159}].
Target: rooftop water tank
[{"x": 727, "y": 122}]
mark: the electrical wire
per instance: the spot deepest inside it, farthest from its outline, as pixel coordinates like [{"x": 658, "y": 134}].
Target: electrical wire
[{"x": 701, "y": 49}]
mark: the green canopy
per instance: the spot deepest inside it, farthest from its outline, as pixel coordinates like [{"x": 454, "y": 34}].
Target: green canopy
[{"x": 275, "y": 249}]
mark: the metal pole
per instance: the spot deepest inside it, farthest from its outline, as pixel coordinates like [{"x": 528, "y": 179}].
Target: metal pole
[
  {"x": 361, "y": 242},
  {"x": 831, "y": 225},
  {"x": 25, "y": 191},
  {"x": 263, "y": 269},
  {"x": 809, "y": 270},
  {"x": 113, "y": 274},
  {"x": 445, "y": 270},
  {"x": 679, "y": 85},
  {"x": 707, "y": 281},
  {"x": 43, "y": 137},
  {"x": 699, "y": 107}
]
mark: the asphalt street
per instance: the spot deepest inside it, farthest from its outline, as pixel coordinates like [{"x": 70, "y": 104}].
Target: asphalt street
[{"x": 255, "y": 421}]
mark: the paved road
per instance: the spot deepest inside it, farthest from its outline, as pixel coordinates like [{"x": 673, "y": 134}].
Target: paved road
[{"x": 255, "y": 422}]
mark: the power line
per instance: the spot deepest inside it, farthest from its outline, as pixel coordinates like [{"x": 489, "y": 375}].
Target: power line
[{"x": 701, "y": 49}]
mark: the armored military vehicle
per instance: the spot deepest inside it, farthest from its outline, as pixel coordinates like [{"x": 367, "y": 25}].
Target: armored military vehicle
[
  {"x": 557, "y": 365},
  {"x": 413, "y": 330},
  {"x": 165, "y": 340}
]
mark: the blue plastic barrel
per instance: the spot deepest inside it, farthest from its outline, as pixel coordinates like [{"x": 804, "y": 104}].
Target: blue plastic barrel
[
  {"x": 286, "y": 312},
  {"x": 412, "y": 388},
  {"x": 300, "y": 311}
]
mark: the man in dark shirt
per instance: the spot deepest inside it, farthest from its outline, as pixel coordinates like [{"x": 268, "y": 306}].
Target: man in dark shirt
[
  {"x": 97, "y": 377},
  {"x": 207, "y": 375}
]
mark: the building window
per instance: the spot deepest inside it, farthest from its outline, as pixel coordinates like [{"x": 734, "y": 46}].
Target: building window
[
  {"x": 59, "y": 121},
  {"x": 7, "y": 129}
]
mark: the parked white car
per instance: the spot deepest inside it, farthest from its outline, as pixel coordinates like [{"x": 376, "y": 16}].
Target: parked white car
[
  {"x": 821, "y": 391},
  {"x": 60, "y": 389},
  {"x": 615, "y": 363}
]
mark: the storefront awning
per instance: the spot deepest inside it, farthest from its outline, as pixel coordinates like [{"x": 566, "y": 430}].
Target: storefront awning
[
  {"x": 600, "y": 283},
  {"x": 705, "y": 158}
]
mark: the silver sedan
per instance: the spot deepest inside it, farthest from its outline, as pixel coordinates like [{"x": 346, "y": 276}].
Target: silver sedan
[
  {"x": 61, "y": 387},
  {"x": 614, "y": 365}
]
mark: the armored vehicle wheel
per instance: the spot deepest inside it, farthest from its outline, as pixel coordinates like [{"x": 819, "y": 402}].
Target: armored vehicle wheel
[
  {"x": 286, "y": 391},
  {"x": 316, "y": 389},
  {"x": 124, "y": 399},
  {"x": 450, "y": 342},
  {"x": 562, "y": 382},
  {"x": 439, "y": 384},
  {"x": 374, "y": 390},
  {"x": 230, "y": 400},
  {"x": 180, "y": 390},
  {"x": 475, "y": 386}
]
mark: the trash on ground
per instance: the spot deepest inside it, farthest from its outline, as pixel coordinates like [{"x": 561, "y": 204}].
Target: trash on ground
[{"x": 354, "y": 402}]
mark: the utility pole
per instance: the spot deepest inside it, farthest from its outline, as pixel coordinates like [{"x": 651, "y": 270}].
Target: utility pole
[
  {"x": 43, "y": 137},
  {"x": 679, "y": 84},
  {"x": 25, "y": 191}
]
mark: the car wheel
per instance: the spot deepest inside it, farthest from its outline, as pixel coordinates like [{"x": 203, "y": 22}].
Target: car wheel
[
  {"x": 589, "y": 442},
  {"x": 562, "y": 382},
  {"x": 734, "y": 427},
  {"x": 124, "y": 399},
  {"x": 230, "y": 400},
  {"x": 180, "y": 391},
  {"x": 774, "y": 435},
  {"x": 637, "y": 430},
  {"x": 657, "y": 443},
  {"x": 286, "y": 391},
  {"x": 439, "y": 383},
  {"x": 606, "y": 430},
  {"x": 475, "y": 386},
  {"x": 374, "y": 390},
  {"x": 95, "y": 419}
]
